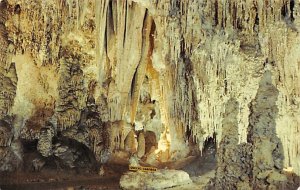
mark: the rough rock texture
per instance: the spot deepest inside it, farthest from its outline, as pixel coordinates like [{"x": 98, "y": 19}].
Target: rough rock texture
[
  {"x": 8, "y": 75},
  {"x": 103, "y": 71},
  {"x": 161, "y": 179},
  {"x": 258, "y": 163},
  {"x": 267, "y": 155},
  {"x": 71, "y": 92},
  {"x": 234, "y": 169},
  {"x": 10, "y": 149},
  {"x": 44, "y": 145},
  {"x": 141, "y": 145}
]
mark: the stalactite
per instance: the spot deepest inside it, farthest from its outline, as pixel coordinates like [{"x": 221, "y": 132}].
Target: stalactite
[
  {"x": 141, "y": 68},
  {"x": 202, "y": 54},
  {"x": 100, "y": 20},
  {"x": 71, "y": 92},
  {"x": 8, "y": 73}
]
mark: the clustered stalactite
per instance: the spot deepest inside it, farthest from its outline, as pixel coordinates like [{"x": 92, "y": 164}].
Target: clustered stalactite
[
  {"x": 224, "y": 50},
  {"x": 8, "y": 73},
  {"x": 71, "y": 93},
  {"x": 131, "y": 75},
  {"x": 10, "y": 155}
]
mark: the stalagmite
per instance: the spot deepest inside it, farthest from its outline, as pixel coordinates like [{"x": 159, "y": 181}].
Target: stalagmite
[
  {"x": 267, "y": 148},
  {"x": 44, "y": 145},
  {"x": 130, "y": 142},
  {"x": 141, "y": 145},
  {"x": 234, "y": 160}
]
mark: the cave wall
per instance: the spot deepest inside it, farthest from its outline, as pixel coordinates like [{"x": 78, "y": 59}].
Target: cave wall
[{"x": 168, "y": 66}]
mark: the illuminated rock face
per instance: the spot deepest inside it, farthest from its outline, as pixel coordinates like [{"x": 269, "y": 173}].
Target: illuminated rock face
[
  {"x": 167, "y": 67},
  {"x": 157, "y": 180}
]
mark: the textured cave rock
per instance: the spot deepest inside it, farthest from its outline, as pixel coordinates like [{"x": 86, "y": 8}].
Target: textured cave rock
[
  {"x": 8, "y": 73},
  {"x": 234, "y": 169},
  {"x": 267, "y": 155},
  {"x": 154, "y": 79},
  {"x": 258, "y": 163},
  {"x": 71, "y": 92},
  {"x": 44, "y": 145},
  {"x": 10, "y": 148},
  {"x": 157, "y": 180},
  {"x": 141, "y": 145}
]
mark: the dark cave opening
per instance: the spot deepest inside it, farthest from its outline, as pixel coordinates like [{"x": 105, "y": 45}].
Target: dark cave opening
[
  {"x": 77, "y": 156},
  {"x": 84, "y": 157},
  {"x": 29, "y": 146},
  {"x": 205, "y": 161},
  {"x": 210, "y": 145}
]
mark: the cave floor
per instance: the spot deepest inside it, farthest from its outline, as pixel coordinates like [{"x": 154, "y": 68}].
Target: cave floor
[
  {"x": 53, "y": 178},
  {"x": 62, "y": 179},
  {"x": 200, "y": 168}
]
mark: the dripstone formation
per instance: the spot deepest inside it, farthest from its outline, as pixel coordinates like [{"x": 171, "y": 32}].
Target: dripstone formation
[{"x": 90, "y": 82}]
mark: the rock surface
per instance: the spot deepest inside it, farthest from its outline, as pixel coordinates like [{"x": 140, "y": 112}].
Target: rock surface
[
  {"x": 102, "y": 72},
  {"x": 161, "y": 179}
]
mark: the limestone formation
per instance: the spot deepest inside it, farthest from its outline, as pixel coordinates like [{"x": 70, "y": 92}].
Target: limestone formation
[
  {"x": 44, "y": 145},
  {"x": 234, "y": 169},
  {"x": 8, "y": 75},
  {"x": 267, "y": 155},
  {"x": 66, "y": 154},
  {"x": 103, "y": 72},
  {"x": 157, "y": 180},
  {"x": 71, "y": 92},
  {"x": 130, "y": 142},
  {"x": 6, "y": 133},
  {"x": 141, "y": 145}
]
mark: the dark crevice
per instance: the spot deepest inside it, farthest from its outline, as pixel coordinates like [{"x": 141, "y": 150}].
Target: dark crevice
[
  {"x": 151, "y": 38},
  {"x": 225, "y": 86},
  {"x": 287, "y": 11},
  {"x": 256, "y": 18},
  {"x": 235, "y": 19},
  {"x": 133, "y": 83},
  {"x": 145, "y": 24},
  {"x": 188, "y": 133},
  {"x": 110, "y": 18},
  {"x": 105, "y": 40},
  {"x": 126, "y": 20},
  {"x": 182, "y": 48},
  {"x": 17, "y": 9},
  {"x": 210, "y": 143},
  {"x": 29, "y": 146},
  {"x": 292, "y": 4},
  {"x": 216, "y": 17},
  {"x": 284, "y": 11}
]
